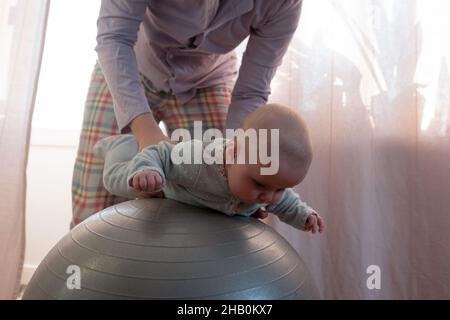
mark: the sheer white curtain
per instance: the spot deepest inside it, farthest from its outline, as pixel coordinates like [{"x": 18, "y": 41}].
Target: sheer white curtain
[
  {"x": 22, "y": 28},
  {"x": 371, "y": 77}
]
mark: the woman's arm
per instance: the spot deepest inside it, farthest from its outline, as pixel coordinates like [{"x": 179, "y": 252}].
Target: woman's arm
[
  {"x": 265, "y": 49},
  {"x": 118, "y": 26}
]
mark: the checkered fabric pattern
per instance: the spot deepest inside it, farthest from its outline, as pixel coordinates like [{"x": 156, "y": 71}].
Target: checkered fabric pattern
[{"x": 210, "y": 105}]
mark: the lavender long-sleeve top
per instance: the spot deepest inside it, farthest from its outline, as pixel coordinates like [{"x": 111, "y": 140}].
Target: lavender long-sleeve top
[{"x": 183, "y": 45}]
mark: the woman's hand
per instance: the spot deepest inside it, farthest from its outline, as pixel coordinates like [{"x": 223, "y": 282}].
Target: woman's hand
[{"x": 147, "y": 131}]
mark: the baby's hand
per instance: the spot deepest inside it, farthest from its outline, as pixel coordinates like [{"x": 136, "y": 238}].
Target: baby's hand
[
  {"x": 314, "y": 223},
  {"x": 147, "y": 181},
  {"x": 261, "y": 213}
]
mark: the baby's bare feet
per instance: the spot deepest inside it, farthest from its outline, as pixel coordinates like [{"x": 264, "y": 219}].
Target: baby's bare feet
[{"x": 147, "y": 181}]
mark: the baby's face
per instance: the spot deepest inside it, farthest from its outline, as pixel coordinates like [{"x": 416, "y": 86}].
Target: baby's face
[{"x": 246, "y": 182}]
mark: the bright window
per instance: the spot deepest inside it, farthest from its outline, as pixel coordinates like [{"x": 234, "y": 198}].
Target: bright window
[{"x": 67, "y": 64}]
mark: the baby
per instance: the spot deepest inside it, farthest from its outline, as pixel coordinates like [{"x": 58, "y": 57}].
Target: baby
[{"x": 220, "y": 181}]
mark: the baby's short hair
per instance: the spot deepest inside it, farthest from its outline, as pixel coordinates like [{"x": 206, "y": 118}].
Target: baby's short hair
[{"x": 295, "y": 143}]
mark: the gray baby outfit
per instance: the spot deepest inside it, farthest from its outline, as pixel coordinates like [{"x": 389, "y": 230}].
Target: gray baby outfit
[{"x": 197, "y": 184}]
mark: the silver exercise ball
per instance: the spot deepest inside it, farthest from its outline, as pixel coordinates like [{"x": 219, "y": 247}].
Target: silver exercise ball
[{"x": 163, "y": 249}]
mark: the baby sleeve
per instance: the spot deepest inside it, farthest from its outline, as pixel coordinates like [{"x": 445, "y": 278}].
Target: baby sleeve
[{"x": 291, "y": 209}]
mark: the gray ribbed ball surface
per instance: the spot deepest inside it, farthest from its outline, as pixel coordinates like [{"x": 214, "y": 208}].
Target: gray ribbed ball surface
[{"x": 162, "y": 249}]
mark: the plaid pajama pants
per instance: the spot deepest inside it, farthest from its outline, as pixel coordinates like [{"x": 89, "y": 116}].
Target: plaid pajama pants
[{"x": 210, "y": 105}]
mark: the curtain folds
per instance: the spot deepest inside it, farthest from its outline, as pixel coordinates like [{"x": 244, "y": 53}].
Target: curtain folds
[
  {"x": 22, "y": 24},
  {"x": 372, "y": 80}
]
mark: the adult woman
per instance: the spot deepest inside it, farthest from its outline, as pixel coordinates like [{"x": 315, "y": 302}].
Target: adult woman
[{"x": 173, "y": 61}]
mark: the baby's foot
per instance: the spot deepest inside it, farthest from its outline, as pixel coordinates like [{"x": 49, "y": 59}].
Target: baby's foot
[
  {"x": 147, "y": 181},
  {"x": 103, "y": 145}
]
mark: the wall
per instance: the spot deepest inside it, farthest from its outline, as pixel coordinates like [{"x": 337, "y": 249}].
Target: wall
[{"x": 48, "y": 206}]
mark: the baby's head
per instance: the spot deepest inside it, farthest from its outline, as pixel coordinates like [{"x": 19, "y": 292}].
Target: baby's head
[{"x": 246, "y": 181}]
